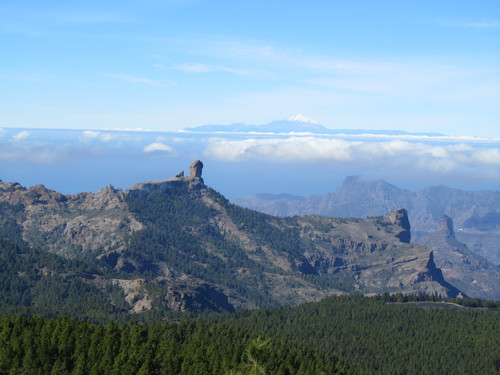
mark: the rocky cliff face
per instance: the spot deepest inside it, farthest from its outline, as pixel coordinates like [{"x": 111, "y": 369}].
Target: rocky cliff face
[
  {"x": 476, "y": 213},
  {"x": 471, "y": 273},
  {"x": 366, "y": 254},
  {"x": 198, "y": 251}
]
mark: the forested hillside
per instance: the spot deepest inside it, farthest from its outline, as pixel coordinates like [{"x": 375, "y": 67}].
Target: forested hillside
[
  {"x": 344, "y": 334},
  {"x": 64, "y": 346},
  {"x": 37, "y": 282},
  {"x": 374, "y": 336}
]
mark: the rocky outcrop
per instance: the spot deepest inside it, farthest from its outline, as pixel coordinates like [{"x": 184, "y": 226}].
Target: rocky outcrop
[
  {"x": 181, "y": 295},
  {"x": 196, "y": 168},
  {"x": 445, "y": 227},
  {"x": 471, "y": 273},
  {"x": 399, "y": 218},
  {"x": 70, "y": 225},
  {"x": 366, "y": 253},
  {"x": 194, "y": 181}
]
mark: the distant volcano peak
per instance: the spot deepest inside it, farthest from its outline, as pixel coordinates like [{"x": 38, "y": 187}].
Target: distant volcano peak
[{"x": 301, "y": 118}]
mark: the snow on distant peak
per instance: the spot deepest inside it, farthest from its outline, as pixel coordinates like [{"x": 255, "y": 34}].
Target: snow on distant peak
[{"x": 301, "y": 118}]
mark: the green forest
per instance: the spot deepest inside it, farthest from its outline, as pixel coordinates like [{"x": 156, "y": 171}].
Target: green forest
[
  {"x": 65, "y": 346},
  {"x": 375, "y": 336},
  {"x": 343, "y": 334}
]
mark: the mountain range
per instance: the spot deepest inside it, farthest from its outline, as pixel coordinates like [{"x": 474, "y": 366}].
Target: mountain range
[
  {"x": 177, "y": 244},
  {"x": 472, "y": 249},
  {"x": 294, "y": 124}
]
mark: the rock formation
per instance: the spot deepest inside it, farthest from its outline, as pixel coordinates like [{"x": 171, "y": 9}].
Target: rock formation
[
  {"x": 445, "y": 226},
  {"x": 195, "y": 169},
  {"x": 469, "y": 272},
  {"x": 400, "y": 218}
]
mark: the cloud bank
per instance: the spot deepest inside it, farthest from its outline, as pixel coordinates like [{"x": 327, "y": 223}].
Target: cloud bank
[{"x": 437, "y": 158}]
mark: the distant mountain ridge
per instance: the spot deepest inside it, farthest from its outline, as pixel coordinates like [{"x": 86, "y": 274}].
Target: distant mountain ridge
[
  {"x": 294, "y": 124},
  {"x": 475, "y": 214}
]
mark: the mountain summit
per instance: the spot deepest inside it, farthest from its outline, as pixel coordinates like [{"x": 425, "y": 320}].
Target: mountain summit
[{"x": 301, "y": 118}]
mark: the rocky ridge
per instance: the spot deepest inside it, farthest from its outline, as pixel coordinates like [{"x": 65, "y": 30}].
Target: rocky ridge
[
  {"x": 476, "y": 215},
  {"x": 190, "y": 249}
]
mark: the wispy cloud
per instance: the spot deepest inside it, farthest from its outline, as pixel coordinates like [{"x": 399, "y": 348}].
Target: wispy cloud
[
  {"x": 194, "y": 67},
  {"x": 313, "y": 149},
  {"x": 147, "y": 81},
  {"x": 272, "y": 56}
]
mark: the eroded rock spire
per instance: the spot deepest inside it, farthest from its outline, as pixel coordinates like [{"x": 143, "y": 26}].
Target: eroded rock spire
[{"x": 195, "y": 169}]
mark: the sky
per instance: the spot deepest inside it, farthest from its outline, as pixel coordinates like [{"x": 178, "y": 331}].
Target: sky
[
  {"x": 119, "y": 79},
  {"x": 165, "y": 65}
]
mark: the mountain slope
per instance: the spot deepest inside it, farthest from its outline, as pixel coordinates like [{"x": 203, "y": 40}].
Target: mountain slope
[{"x": 186, "y": 247}]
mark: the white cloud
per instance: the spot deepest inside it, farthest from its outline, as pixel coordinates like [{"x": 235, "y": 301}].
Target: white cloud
[
  {"x": 21, "y": 136},
  {"x": 437, "y": 158},
  {"x": 91, "y": 134},
  {"x": 106, "y": 137},
  {"x": 103, "y": 137},
  {"x": 157, "y": 146}
]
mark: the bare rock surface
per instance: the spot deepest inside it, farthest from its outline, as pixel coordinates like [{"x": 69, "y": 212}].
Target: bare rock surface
[{"x": 71, "y": 225}]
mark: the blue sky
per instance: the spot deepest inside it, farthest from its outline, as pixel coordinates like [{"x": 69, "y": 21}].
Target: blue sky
[{"x": 169, "y": 64}]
